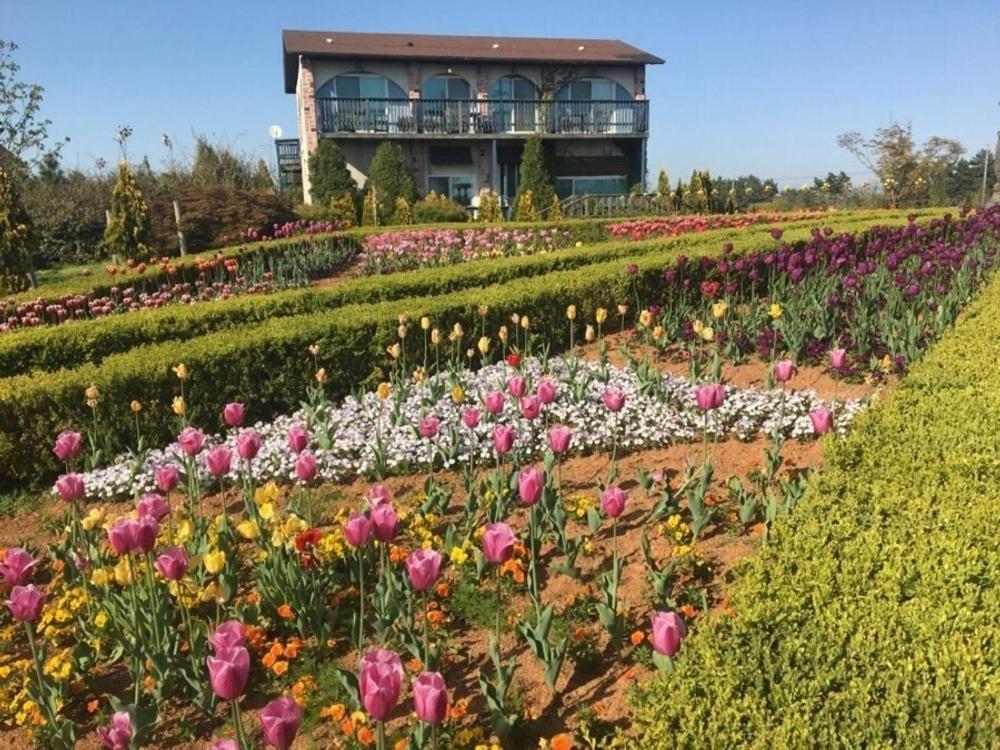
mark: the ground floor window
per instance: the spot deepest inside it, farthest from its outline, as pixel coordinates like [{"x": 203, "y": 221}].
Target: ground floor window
[
  {"x": 609, "y": 185},
  {"x": 457, "y": 187}
]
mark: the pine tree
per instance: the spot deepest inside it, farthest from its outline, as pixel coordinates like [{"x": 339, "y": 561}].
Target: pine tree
[
  {"x": 128, "y": 231},
  {"x": 17, "y": 237},
  {"x": 390, "y": 175},
  {"x": 709, "y": 188},
  {"x": 533, "y": 178},
  {"x": 679, "y": 196},
  {"x": 404, "y": 212},
  {"x": 694, "y": 199},
  {"x": 663, "y": 184},
  {"x": 329, "y": 176}
]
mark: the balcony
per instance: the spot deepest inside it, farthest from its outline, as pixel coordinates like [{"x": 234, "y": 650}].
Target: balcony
[{"x": 480, "y": 117}]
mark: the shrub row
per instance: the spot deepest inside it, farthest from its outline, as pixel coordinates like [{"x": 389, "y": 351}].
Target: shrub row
[
  {"x": 871, "y": 619},
  {"x": 266, "y": 365},
  {"x": 77, "y": 342}
]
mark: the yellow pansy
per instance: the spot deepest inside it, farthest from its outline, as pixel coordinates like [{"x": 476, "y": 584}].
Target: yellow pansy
[
  {"x": 267, "y": 511},
  {"x": 774, "y": 311},
  {"x": 123, "y": 572},
  {"x": 248, "y": 529},
  {"x": 214, "y": 561}
]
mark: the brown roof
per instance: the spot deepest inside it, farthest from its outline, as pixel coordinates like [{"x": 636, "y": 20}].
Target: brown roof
[{"x": 344, "y": 44}]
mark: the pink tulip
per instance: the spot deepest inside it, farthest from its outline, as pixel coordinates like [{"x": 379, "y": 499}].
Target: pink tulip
[
  {"x": 494, "y": 402},
  {"x": 358, "y": 530},
  {"x": 25, "y": 603},
  {"x": 229, "y": 634},
  {"x": 516, "y": 386},
  {"x": 710, "y": 396},
  {"x": 503, "y": 439},
  {"x": 122, "y": 535},
  {"x": 248, "y": 445},
  {"x": 822, "y": 420},
  {"x": 668, "y": 632},
  {"x": 228, "y": 670},
  {"x": 498, "y": 542},
  {"x": 614, "y": 399},
  {"x": 70, "y": 487},
  {"x": 530, "y": 483},
  {"x": 119, "y": 735},
  {"x": 423, "y": 567},
  {"x": 305, "y": 466},
  {"x": 298, "y": 439},
  {"x": 191, "y": 441},
  {"x": 381, "y": 680},
  {"x": 385, "y": 522},
  {"x": 559, "y": 439},
  {"x": 147, "y": 529},
  {"x": 172, "y": 563},
  {"x": 430, "y": 698},
  {"x": 219, "y": 460},
  {"x": 233, "y": 414},
  {"x": 152, "y": 505},
  {"x": 17, "y": 567},
  {"x": 68, "y": 445},
  {"x": 547, "y": 391},
  {"x": 838, "y": 358},
  {"x": 429, "y": 427},
  {"x": 613, "y": 501},
  {"x": 470, "y": 417},
  {"x": 379, "y": 494},
  {"x": 166, "y": 477},
  {"x": 280, "y": 720},
  {"x": 226, "y": 744},
  {"x": 784, "y": 370},
  {"x": 531, "y": 407}
]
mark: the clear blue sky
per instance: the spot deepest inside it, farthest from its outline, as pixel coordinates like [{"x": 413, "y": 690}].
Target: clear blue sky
[{"x": 747, "y": 87}]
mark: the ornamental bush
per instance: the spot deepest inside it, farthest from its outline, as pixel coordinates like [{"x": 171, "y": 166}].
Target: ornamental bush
[
  {"x": 489, "y": 207},
  {"x": 437, "y": 209},
  {"x": 404, "y": 213},
  {"x": 128, "y": 234},
  {"x": 329, "y": 176},
  {"x": 389, "y": 176},
  {"x": 17, "y": 236}
]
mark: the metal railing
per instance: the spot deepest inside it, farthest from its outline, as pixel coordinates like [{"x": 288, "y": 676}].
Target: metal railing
[{"x": 481, "y": 116}]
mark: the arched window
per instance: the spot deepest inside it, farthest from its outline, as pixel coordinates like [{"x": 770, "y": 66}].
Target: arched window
[
  {"x": 446, "y": 86},
  {"x": 361, "y": 86},
  {"x": 517, "y": 88},
  {"x": 593, "y": 89}
]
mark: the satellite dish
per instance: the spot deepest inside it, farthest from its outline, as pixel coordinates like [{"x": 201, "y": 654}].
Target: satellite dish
[{"x": 274, "y": 131}]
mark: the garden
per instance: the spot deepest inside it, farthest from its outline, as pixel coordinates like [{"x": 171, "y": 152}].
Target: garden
[{"x": 694, "y": 481}]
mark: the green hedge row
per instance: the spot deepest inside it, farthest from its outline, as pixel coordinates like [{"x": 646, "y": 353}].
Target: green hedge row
[
  {"x": 871, "y": 621},
  {"x": 77, "y": 342}
]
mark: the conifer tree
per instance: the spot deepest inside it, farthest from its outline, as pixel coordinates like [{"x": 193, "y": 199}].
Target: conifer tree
[
  {"x": 128, "y": 231},
  {"x": 390, "y": 175},
  {"x": 533, "y": 178},
  {"x": 526, "y": 209},
  {"x": 329, "y": 176}
]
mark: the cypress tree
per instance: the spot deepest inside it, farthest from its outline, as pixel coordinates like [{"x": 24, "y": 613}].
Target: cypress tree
[
  {"x": 128, "y": 231},
  {"x": 329, "y": 176},
  {"x": 679, "y": 195},
  {"x": 390, "y": 175},
  {"x": 533, "y": 179},
  {"x": 663, "y": 184}
]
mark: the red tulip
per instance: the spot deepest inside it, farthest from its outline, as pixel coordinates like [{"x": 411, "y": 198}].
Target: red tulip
[
  {"x": 547, "y": 391},
  {"x": 614, "y": 399},
  {"x": 146, "y": 531},
  {"x": 784, "y": 370},
  {"x": 385, "y": 522},
  {"x": 219, "y": 460},
  {"x": 172, "y": 563},
  {"x": 358, "y": 530},
  {"x": 822, "y": 420},
  {"x": 229, "y": 634},
  {"x": 191, "y": 441},
  {"x": 503, "y": 439},
  {"x": 166, "y": 477},
  {"x": 470, "y": 417},
  {"x": 494, "y": 402},
  {"x": 516, "y": 386},
  {"x": 122, "y": 535},
  {"x": 429, "y": 427},
  {"x": 70, "y": 487},
  {"x": 710, "y": 396},
  {"x": 305, "y": 466},
  {"x": 838, "y": 358},
  {"x": 531, "y": 407},
  {"x": 298, "y": 439},
  {"x": 248, "y": 445}
]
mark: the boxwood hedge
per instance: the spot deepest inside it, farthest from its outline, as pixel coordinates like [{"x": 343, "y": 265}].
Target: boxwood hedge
[
  {"x": 79, "y": 342},
  {"x": 872, "y": 619}
]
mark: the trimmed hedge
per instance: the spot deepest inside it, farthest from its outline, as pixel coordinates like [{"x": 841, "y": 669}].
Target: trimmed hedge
[
  {"x": 77, "y": 342},
  {"x": 871, "y": 620}
]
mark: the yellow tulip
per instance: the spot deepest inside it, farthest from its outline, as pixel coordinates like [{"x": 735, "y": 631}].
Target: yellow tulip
[
  {"x": 401, "y": 332},
  {"x": 321, "y": 375},
  {"x": 601, "y": 315},
  {"x": 181, "y": 371},
  {"x": 436, "y": 337},
  {"x": 383, "y": 390},
  {"x": 589, "y": 334},
  {"x": 136, "y": 406},
  {"x": 719, "y": 309},
  {"x": 457, "y": 394},
  {"x": 484, "y": 345},
  {"x": 248, "y": 529},
  {"x": 708, "y": 334},
  {"x": 571, "y": 312},
  {"x": 215, "y": 561},
  {"x": 425, "y": 323},
  {"x": 394, "y": 351},
  {"x": 123, "y": 572},
  {"x": 502, "y": 334},
  {"x": 645, "y": 318},
  {"x": 774, "y": 311},
  {"x": 267, "y": 511},
  {"x": 179, "y": 406}
]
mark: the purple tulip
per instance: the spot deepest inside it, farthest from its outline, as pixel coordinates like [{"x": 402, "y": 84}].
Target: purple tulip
[
  {"x": 784, "y": 370},
  {"x": 219, "y": 460},
  {"x": 358, "y": 530},
  {"x": 228, "y": 671},
  {"x": 305, "y": 466},
  {"x": 470, "y": 417},
  {"x": 279, "y": 721},
  {"x": 25, "y": 603},
  {"x": 710, "y": 396},
  {"x": 166, "y": 477},
  {"x": 70, "y": 487},
  {"x": 380, "y": 683},
  {"x": 122, "y": 535},
  {"x": 668, "y": 632},
  {"x": 17, "y": 567},
  {"x": 423, "y": 566},
  {"x": 613, "y": 501},
  {"x": 152, "y": 505},
  {"x": 248, "y": 445},
  {"x": 822, "y": 420},
  {"x": 229, "y": 634},
  {"x": 838, "y": 358},
  {"x": 385, "y": 522},
  {"x": 614, "y": 399},
  {"x": 146, "y": 531},
  {"x": 118, "y": 736},
  {"x": 191, "y": 441},
  {"x": 430, "y": 698},
  {"x": 233, "y": 414},
  {"x": 498, "y": 542},
  {"x": 547, "y": 391},
  {"x": 503, "y": 439},
  {"x": 531, "y": 407},
  {"x": 530, "y": 483},
  {"x": 172, "y": 563},
  {"x": 559, "y": 439},
  {"x": 494, "y": 402},
  {"x": 298, "y": 439},
  {"x": 429, "y": 427},
  {"x": 516, "y": 386},
  {"x": 68, "y": 445},
  {"x": 226, "y": 744}
]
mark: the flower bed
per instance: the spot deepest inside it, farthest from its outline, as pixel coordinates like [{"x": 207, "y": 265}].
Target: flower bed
[{"x": 672, "y": 226}]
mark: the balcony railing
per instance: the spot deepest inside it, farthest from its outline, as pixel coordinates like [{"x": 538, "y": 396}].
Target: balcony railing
[{"x": 481, "y": 116}]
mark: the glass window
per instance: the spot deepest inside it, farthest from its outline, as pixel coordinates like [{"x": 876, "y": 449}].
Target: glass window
[
  {"x": 457, "y": 187},
  {"x": 348, "y": 87},
  {"x": 438, "y": 185},
  {"x": 446, "y": 87},
  {"x": 614, "y": 185},
  {"x": 593, "y": 89},
  {"x": 513, "y": 87}
]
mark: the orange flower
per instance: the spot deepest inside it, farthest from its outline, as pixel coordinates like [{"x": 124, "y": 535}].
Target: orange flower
[
  {"x": 562, "y": 741},
  {"x": 335, "y": 712},
  {"x": 435, "y": 618},
  {"x": 397, "y": 554},
  {"x": 442, "y": 590},
  {"x": 689, "y": 611},
  {"x": 414, "y": 665},
  {"x": 757, "y": 529},
  {"x": 58, "y": 565},
  {"x": 579, "y": 633},
  {"x": 269, "y": 660},
  {"x": 285, "y": 612},
  {"x": 254, "y": 636},
  {"x": 515, "y": 568},
  {"x": 366, "y": 736},
  {"x": 93, "y": 705},
  {"x": 347, "y": 727},
  {"x": 280, "y": 667},
  {"x": 277, "y": 649},
  {"x": 253, "y": 597},
  {"x": 459, "y": 708},
  {"x": 401, "y": 744},
  {"x": 292, "y": 649},
  {"x": 637, "y": 637}
]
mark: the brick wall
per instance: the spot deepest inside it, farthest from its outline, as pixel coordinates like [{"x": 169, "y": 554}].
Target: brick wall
[{"x": 305, "y": 95}]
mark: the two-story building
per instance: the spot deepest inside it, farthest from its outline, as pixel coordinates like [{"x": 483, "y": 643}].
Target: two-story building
[{"x": 461, "y": 106}]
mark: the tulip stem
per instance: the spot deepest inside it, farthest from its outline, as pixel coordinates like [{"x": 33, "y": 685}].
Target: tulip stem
[
  {"x": 42, "y": 698},
  {"x": 499, "y": 648},
  {"x": 361, "y": 599},
  {"x": 427, "y": 648},
  {"x": 241, "y": 737},
  {"x": 137, "y": 659},
  {"x": 154, "y": 603},
  {"x": 434, "y": 736},
  {"x": 381, "y": 735}
]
